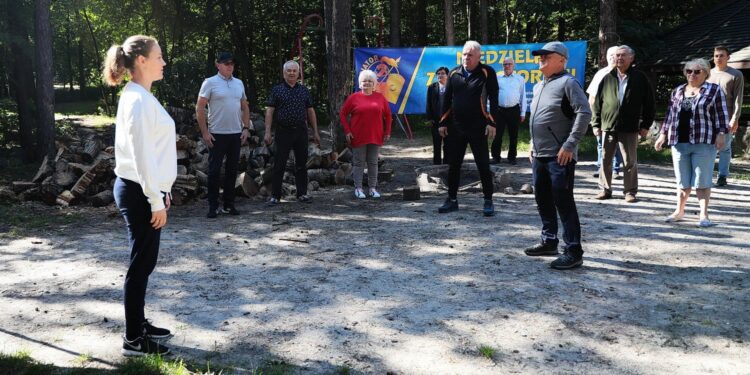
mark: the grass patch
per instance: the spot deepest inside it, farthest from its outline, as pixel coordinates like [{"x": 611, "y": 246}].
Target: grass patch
[
  {"x": 487, "y": 351},
  {"x": 18, "y": 221},
  {"x": 21, "y": 363},
  {"x": 79, "y": 108}
]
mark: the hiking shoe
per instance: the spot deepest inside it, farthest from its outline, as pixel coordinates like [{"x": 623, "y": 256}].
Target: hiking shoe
[
  {"x": 359, "y": 194},
  {"x": 230, "y": 210},
  {"x": 604, "y": 195},
  {"x": 142, "y": 346},
  {"x": 374, "y": 194},
  {"x": 541, "y": 249},
  {"x": 272, "y": 202},
  {"x": 567, "y": 261},
  {"x": 449, "y": 205},
  {"x": 155, "y": 333},
  {"x": 212, "y": 213},
  {"x": 304, "y": 199},
  {"x": 489, "y": 208},
  {"x": 722, "y": 181},
  {"x": 630, "y": 198}
]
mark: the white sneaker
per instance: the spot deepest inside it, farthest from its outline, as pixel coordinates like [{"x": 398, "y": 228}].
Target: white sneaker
[
  {"x": 374, "y": 193},
  {"x": 359, "y": 194}
]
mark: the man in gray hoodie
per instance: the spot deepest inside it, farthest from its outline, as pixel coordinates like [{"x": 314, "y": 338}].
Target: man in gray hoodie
[{"x": 560, "y": 114}]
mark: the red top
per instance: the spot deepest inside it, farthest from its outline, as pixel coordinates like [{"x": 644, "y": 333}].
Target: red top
[{"x": 368, "y": 115}]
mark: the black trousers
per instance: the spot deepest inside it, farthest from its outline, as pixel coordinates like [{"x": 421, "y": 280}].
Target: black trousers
[
  {"x": 455, "y": 144},
  {"x": 225, "y": 145},
  {"x": 438, "y": 147},
  {"x": 507, "y": 118},
  {"x": 290, "y": 139},
  {"x": 553, "y": 190},
  {"x": 143, "y": 241}
]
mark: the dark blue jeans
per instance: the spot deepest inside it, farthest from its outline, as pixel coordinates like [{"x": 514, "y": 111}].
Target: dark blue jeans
[
  {"x": 225, "y": 145},
  {"x": 143, "y": 241},
  {"x": 455, "y": 150},
  {"x": 553, "y": 190}
]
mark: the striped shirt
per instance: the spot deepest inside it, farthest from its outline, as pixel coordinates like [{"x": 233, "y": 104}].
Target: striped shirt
[{"x": 710, "y": 115}]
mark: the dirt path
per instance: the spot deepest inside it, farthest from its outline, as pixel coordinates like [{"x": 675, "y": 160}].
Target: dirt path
[{"x": 393, "y": 286}]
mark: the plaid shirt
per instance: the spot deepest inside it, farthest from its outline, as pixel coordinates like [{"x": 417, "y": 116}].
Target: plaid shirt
[{"x": 709, "y": 115}]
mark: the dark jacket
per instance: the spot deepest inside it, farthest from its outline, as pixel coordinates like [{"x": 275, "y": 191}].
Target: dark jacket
[
  {"x": 467, "y": 96},
  {"x": 637, "y": 110},
  {"x": 433, "y": 103}
]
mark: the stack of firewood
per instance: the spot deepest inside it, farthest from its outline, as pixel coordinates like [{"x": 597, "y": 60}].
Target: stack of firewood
[{"x": 82, "y": 170}]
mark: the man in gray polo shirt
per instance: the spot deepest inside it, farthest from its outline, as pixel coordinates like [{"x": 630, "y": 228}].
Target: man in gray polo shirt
[{"x": 226, "y": 127}]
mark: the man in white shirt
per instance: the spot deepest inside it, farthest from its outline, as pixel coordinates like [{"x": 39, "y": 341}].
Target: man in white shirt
[
  {"x": 732, "y": 84},
  {"x": 226, "y": 127},
  {"x": 511, "y": 111},
  {"x": 591, "y": 90}
]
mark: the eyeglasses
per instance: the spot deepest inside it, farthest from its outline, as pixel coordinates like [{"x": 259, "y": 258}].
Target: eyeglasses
[
  {"x": 691, "y": 71},
  {"x": 507, "y": 64}
]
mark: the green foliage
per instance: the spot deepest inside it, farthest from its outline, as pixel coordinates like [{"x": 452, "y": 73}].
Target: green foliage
[
  {"x": 487, "y": 351},
  {"x": 8, "y": 124},
  {"x": 21, "y": 363}
]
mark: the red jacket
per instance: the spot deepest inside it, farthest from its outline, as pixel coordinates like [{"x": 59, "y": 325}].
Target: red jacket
[{"x": 370, "y": 118}]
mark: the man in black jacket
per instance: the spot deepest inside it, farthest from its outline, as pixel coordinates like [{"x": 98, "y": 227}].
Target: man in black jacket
[
  {"x": 465, "y": 120},
  {"x": 435, "y": 95},
  {"x": 623, "y": 109}
]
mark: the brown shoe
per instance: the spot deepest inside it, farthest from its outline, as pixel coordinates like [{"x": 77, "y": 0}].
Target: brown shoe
[
  {"x": 630, "y": 198},
  {"x": 604, "y": 195}
]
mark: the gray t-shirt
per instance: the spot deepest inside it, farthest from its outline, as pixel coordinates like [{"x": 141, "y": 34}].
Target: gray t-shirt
[
  {"x": 224, "y": 104},
  {"x": 732, "y": 84}
]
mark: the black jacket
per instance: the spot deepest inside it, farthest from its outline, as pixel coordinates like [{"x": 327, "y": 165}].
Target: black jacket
[
  {"x": 467, "y": 96},
  {"x": 433, "y": 103}
]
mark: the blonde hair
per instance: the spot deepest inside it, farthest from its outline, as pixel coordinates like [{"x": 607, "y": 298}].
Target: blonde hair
[
  {"x": 120, "y": 59},
  {"x": 700, "y": 63}
]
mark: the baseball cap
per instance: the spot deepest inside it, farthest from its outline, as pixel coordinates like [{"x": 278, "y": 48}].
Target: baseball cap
[
  {"x": 223, "y": 57},
  {"x": 552, "y": 47}
]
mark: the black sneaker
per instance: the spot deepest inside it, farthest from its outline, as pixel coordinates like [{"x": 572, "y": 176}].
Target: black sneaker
[
  {"x": 722, "y": 181},
  {"x": 155, "y": 333},
  {"x": 541, "y": 249},
  {"x": 142, "y": 346},
  {"x": 567, "y": 261},
  {"x": 230, "y": 210},
  {"x": 489, "y": 208},
  {"x": 212, "y": 213},
  {"x": 450, "y": 205},
  {"x": 495, "y": 161},
  {"x": 304, "y": 199}
]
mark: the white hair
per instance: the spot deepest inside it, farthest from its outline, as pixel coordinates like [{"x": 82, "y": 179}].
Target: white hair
[
  {"x": 611, "y": 51},
  {"x": 630, "y": 50},
  {"x": 509, "y": 59},
  {"x": 473, "y": 45},
  {"x": 366, "y": 74},
  {"x": 699, "y": 63},
  {"x": 290, "y": 63}
]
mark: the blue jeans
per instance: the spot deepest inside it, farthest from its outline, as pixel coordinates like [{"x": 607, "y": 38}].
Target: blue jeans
[
  {"x": 616, "y": 162},
  {"x": 553, "y": 190},
  {"x": 725, "y": 155},
  {"x": 693, "y": 164}
]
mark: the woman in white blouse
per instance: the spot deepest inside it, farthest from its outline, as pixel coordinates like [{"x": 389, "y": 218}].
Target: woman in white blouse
[{"x": 146, "y": 167}]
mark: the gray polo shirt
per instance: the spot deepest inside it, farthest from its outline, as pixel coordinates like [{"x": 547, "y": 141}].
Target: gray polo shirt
[{"x": 224, "y": 104}]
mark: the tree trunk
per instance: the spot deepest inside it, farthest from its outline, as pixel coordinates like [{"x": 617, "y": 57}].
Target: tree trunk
[
  {"x": 45, "y": 91},
  {"x": 607, "y": 28},
  {"x": 450, "y": 33},
  {"x": 483, "y": 24},
  {"x": 420, "y": 22},
  {"x": 22, "y": 78},
  {"x": 469, "y": 34},
  {"x": 240, "y": 37},
  {"x": 395, "y": 23},
  {"x": 338, "y": 40}
]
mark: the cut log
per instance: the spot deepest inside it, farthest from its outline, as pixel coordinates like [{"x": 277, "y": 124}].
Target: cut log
[
  {"x": 45, "y": 170},
  {"x": 64, "y": 175},
  {"x": 104, "y": 198},
  {"x": 103, "y": 166},
  {"x": 321, "y": 176},
  {"x": 65, "y": 198},
  {"x": 246, "y": 185},
  {"x": 411, "y": 193},
  {"x": 344, "y": 171},
  {"x": 185, "y": 143},
  {"x": 48, "y": 191},
  {"x": 345, "y": 156},
  {"x": 7, "y": 196},
  {"x": 91, "y": 149},
  {"x": 187, "y": 182},
  {"x": 202, "y": 178},
  {"x": 266, "y": 176},
  {"x": 313, "y": 186},
  {"x": 181, "y": 169},
  {"x": 527, "y": 189},
  {"x": 21, "y": 186},
  {"x": 502, "y": 181}
]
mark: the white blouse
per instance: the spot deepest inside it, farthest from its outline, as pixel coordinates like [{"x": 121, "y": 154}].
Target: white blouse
[{"x": 145, "y": 144}]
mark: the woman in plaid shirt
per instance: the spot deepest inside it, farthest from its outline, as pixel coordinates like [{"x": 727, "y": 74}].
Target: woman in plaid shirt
[{"x": 695, "y": 125}]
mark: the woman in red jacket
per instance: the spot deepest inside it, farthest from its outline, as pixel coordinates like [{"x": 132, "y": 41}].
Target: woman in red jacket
[{"x": 366, "y": 117}]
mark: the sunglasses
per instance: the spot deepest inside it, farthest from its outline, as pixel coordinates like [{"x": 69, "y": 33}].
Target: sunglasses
[{"x": 691, "y": 71}]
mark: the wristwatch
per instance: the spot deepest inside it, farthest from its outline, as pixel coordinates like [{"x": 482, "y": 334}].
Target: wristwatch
[{"x": 245, "y": 128}]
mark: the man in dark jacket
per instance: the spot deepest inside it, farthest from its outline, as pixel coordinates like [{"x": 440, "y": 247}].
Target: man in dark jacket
[
  {"x": 465, "y": 121},
  {"x": 435, "y": 95},
  {"x": 623, "y": 110}
]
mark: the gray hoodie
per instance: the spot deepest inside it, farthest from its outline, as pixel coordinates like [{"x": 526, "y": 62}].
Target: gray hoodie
[{"x": 560, "y": 115}]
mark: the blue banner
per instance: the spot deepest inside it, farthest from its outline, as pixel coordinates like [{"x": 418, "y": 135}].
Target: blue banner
[{"x": 405, "y": 73}]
